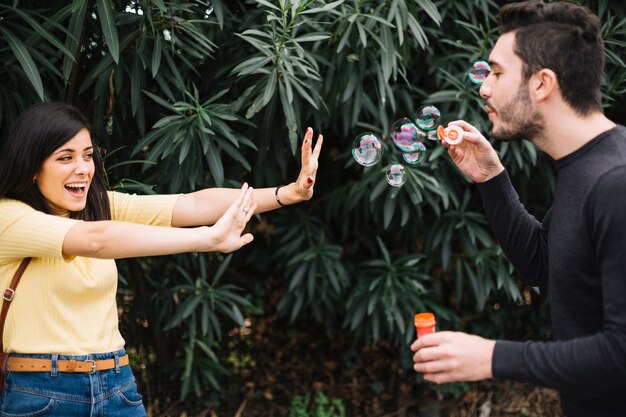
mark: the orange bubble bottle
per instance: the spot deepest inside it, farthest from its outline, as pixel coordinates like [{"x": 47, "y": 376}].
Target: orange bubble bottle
[{"x": 424, "y": 323}]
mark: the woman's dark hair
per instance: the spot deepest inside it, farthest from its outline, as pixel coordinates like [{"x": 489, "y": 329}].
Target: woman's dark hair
[
  {"x": 37, "y": 133},
  {"x": 565, "y": 38}
]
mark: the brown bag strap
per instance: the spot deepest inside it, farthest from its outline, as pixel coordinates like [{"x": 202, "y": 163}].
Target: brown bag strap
[{"x": 8, "y": 294}]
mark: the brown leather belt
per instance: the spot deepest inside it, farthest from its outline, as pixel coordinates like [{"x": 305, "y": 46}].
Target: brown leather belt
[{"x": 17, "y": 364}]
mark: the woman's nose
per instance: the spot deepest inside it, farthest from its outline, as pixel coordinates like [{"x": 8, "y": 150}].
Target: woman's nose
[{"x": 81, "y": 167}]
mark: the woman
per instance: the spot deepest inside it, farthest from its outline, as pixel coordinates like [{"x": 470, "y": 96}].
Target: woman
[{"x": 54, "y": 207}]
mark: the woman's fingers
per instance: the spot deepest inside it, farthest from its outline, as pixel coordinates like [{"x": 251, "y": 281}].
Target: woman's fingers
[
  {"x": 245, "y": 239},
  {"x": 306, "y": 144},
  {"x": 241, "y": 196},
  {"x": 250, "y": 213},
  {"x": 310, "y": 155},
  {"x": 247, "y": 200},
  {"x": 318, "y": 146}
]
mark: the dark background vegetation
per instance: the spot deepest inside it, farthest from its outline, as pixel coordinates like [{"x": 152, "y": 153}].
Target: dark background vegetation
[{"x": 189, "y": 94}]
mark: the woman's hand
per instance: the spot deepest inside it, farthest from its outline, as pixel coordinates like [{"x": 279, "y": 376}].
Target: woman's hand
[
  {"x": 226, "y": 232},
  {"x": 474, "y": 156},
  {"x": 308, "y": 171}
]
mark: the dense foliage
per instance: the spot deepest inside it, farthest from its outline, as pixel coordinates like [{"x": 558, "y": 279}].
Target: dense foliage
[{"x": 190, "y": 94}]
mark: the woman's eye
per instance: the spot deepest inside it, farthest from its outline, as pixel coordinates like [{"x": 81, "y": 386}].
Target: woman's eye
[
  {"x": 65, "y": 158},
  {"x": 88, "y": 156}
]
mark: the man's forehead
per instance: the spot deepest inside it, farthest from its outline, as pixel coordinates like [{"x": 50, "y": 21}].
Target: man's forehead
[{"x": 503, "y": 52}]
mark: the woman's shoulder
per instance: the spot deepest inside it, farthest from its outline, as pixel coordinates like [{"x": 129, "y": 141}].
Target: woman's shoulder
[
  {"x": 12, "y": 211},
  {"x": 12, "y": 204}
]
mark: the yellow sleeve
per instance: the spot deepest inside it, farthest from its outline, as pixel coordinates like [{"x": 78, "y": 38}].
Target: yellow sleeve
[
  {"x": 155, "y": 210},
  {"x": 26, "y": 232}
]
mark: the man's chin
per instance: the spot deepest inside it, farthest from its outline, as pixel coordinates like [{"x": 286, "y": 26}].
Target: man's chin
[{"x": 503, "y": 135}]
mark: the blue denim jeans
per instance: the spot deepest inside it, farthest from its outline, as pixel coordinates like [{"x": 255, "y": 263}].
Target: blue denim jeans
[{"x": 110, "y": 393}]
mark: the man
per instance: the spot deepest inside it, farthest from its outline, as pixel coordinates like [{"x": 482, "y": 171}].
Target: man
[{"x": 545, "y": 86}]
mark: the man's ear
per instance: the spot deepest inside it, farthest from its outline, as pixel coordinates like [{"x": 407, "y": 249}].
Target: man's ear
[{"x": 543, "y": 84}]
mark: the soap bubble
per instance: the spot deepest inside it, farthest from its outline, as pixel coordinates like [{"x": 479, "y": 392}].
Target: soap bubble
[
  {"x": 416, "y": 157},
  {"x": 406, "y": 135},
  {"x": 396, "y": 176},
  {"x": 432, "y": 135},
  {"x": 367, "y": 149},
  {"x": 479, "y": 71},
  {"x": 427, "y": 117}
]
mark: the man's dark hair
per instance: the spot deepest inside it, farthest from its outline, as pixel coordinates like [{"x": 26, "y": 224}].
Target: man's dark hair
[
  {"x": 565, "y": 38},
  {"x": 37, "y": 133}
]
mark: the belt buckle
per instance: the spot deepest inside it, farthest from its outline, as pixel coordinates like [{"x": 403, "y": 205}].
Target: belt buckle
[
  {"x": 8, "y": 294},
  {"x": 93, "y": 365}
]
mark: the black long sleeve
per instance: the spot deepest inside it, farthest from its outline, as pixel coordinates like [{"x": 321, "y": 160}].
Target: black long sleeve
[
  {"x": 583, "y": 255},
  {"x": 523, "y": 239}
]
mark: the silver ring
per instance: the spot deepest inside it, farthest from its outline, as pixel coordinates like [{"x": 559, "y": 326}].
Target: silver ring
[{"x": 245, "y": 211}]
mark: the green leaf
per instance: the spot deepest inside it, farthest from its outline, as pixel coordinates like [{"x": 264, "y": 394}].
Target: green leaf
[
  {"x": 215, "y": 165},
  {"x": 268, "y": 4},
  {"x": 75, "y": 28},
  {"x": 312, "y": 37},
  {"x": 43, "y": 32},
  {"x": 26, "y": 61},
  {"x": 324, "y": 8},
  {"x": 135, "y": 84},
  {"x": 431, "y": 9},
  {"x": 107, "y": 22},
  {"x": 156, "y": 55},
  {"x": 270, "y": 88}
]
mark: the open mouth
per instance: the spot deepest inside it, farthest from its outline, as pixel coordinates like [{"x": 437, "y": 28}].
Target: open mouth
[{"x": 77, "y": 189}]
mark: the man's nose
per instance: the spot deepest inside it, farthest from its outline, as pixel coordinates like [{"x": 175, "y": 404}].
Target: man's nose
[{"x": 485, "y": 89}]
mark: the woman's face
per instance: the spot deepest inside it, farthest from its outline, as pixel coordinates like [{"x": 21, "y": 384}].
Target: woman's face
[{"x": 65, "y": 176}]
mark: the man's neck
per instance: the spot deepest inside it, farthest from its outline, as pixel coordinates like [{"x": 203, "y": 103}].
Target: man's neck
[{"x": 565, "y": 132}]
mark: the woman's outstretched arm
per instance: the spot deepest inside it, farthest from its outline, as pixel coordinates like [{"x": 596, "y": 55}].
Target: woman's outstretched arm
[
  {"x": 206, "y": 206},
  {"x": 115, "y": 239}
]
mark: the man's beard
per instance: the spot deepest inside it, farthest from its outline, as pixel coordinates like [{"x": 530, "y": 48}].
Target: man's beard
[{"x": 523, "y": 121}]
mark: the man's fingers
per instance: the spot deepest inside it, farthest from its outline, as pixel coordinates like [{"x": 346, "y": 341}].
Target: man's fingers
[
  {"x": 467, "y": 127},
  {"x": 432, "y": 367},
  {"x": 426, "y": 355},
  {"x": 439, "y": 378}
]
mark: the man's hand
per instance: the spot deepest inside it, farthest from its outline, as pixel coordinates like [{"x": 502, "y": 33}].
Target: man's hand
[{"x": 453, "y": 356}]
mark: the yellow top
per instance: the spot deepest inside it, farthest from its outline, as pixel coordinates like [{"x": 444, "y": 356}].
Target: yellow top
[{"x": 65, "y": 306}]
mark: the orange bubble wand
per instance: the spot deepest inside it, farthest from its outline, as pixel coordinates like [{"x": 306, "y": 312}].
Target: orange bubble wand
[{"x": 451, "y": 134}]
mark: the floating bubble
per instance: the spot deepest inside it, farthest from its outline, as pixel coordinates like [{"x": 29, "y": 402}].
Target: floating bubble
[
  {"x": 432, "y": 135},
  {"x": 416, "y": 157},
  {"x": 479, "y": 71},
  {"x": 367, "y": 149},
  {"x": 396, "y": 176},
  {"x": 427, "y": 117},
  {"x": 406, "y": 135}
]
